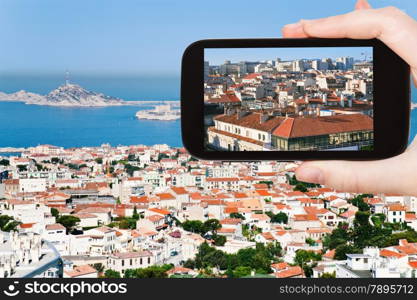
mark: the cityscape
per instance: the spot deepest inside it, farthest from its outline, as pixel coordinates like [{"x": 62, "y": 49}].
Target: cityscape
[
  {"x": 289, "y": 105},
  {"x": 155, "y": 211}
]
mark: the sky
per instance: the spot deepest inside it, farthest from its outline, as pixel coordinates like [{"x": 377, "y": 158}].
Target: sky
[
  {"x": 140, "y": 36},
  {"x": 218, "y": 56}
]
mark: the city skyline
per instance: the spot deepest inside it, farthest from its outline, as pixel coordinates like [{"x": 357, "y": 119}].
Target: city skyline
[{"x": 218, "y": 56}]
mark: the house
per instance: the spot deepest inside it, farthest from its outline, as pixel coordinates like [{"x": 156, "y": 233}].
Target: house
[
  {"x": 290, "y": 272},
  {"x": 395, "y": 213},
  {"x": 121, "y": 261},
  {"x": 84, "y": 271}
]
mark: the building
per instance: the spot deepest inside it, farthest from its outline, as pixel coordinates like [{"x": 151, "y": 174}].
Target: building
[
  {"x": 122, "y": 261},
  {"x": 256, "y": 131}
]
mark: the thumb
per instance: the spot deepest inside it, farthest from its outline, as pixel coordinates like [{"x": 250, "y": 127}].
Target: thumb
[{"x": 396, "y": 175}]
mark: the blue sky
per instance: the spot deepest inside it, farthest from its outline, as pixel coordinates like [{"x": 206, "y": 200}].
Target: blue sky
[{"x": 140, "y": 36}]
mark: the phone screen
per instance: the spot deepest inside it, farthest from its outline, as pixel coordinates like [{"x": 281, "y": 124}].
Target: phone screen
[{"x": 288, "y": 99}]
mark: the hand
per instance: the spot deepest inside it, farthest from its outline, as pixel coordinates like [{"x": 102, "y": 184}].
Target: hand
[{"x": 396, "y": 175}]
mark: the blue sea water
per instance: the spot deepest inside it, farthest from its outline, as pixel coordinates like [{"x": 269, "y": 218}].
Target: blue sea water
[{"x": 30, "y": 125}]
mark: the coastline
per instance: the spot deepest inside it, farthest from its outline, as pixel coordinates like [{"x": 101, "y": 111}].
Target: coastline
[{"x": 121, "y": 103}]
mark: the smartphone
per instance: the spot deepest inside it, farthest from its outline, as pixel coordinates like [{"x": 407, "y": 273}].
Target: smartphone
[{"x": 294, "y": 99}]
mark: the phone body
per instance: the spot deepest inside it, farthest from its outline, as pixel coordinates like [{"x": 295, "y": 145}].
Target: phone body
[{"x": 294, "y": 99}]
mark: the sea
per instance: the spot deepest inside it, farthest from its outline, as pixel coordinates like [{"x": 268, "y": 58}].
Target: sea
[{"x": 24, "y": 125}]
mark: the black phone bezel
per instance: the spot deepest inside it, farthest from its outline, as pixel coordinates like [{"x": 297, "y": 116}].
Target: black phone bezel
[{"x": 391, "y": 114}]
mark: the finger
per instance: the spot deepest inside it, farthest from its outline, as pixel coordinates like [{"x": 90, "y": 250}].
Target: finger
[
  {"x": 362, "y": 4},
  {"x": 293, "y": 31},
  {"x": 296, "y": 30},
  {"x": 394, "y": 175},
  {"x": 392, "y": 26}
]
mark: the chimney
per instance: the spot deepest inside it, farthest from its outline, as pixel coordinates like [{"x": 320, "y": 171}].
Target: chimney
[
  {"x": 318, "y": 111},
  {"x": 324, "y": 98},
  {"x": 307, "y": 98},
  {"x": 297, "y": 108},
  {"x": 342, "y": 100},
  {"x": 350, "y": 102}
]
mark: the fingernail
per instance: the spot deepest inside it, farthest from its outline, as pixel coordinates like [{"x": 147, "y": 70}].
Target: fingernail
[
  {"x": 310, "y": 174},
  {"x": 293, "y": 26}
]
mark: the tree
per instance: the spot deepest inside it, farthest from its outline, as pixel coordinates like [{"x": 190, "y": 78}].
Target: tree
[
  {"x": 99, "y": 267},
  {"x": 7, "y": 223},
  {"x": 236, "y": 215},
  {"x": 303, "y": 257},
  {"x": 328, "y": 275},
  {"x": 310, "y": 241},
  {"x": 193, "y": 226},
  {"x": 342, "y": 250},
  {"x": 135, "y": 214},
  {"x": 300, "y": 187},
  {"x": 359, "y": 203},
  {"x": 55, "y": 160},
  {"x": 109, "y": 273},
  {"x": 22, "y": 168},
  {"x": 280, "y": 217},
  {"x": 242, "y": 271},
  {"x": 211, "y": 225},
  {"x": 219, "y": 240},
  {"x": 99, "y": 160},
  {"x": 293, "y": 181},
  {"x": 54, "y": 212},
  {"x": 149, "y": 272},
  {"x": 68, "y": 222},
  {"x": 4, "y": 162}
]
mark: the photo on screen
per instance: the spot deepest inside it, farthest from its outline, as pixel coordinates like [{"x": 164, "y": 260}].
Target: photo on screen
[{"x": 288, "y": 99}]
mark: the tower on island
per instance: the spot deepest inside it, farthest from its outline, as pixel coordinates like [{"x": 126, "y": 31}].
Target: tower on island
[{"x": 67, "y": 77}]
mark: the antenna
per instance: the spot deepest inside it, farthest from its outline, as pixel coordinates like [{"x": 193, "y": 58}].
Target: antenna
[{"x": 67, "y": 75}]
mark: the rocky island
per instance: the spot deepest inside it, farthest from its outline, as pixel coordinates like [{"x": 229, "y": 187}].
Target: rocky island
[{"x": 70, "y": 95}]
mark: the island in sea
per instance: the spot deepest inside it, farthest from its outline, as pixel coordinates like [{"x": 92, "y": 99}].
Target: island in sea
[
  {"x": 71, "y": 95},
  {"x": 160, "y": 112}
]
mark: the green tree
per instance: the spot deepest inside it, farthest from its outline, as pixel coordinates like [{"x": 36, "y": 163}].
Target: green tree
[
  {"x": 211, "y": 225},
  {"x": 195, "y": 226},
  {"x": 304, "y": 257},
  {"x": 328, "y": 275},
  {"x": 310, "y": 241},
  {"x": 242, "y": 271},
  {"x": 55, "y": 160},
  {"x": 300, "y": 187},
  {"x": 7, "y": 223},
  {"x": 4, "y": 162},
  {"x": 22, "y": 168},
  {"x": 342, "y": 250},
  {"x": 135, "y": 214},
  {"x": 99, "y": 267},
  {"x": 236, "y": 215},
  {"x": 219, "y": 240},
  {"x": 280, "y": 217},
  {"x": 109, "y": 273},
  {"x": 68, "y": 221},
  {"x": 99, "y": 160},
  {"x": 54, "y": 212}
]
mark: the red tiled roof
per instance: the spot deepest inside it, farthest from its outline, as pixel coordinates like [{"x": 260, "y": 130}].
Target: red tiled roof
[{"x": 302, "y": 127}]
